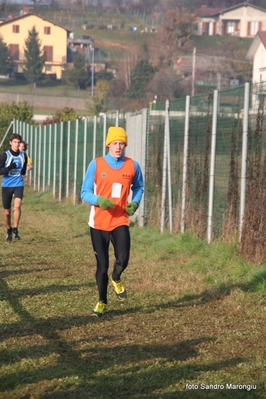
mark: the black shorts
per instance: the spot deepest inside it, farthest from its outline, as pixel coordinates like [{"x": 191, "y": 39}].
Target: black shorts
[{"x": 7, "y": 195}]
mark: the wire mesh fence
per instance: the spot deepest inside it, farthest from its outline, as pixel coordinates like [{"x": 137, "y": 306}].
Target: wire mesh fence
[{"x": 202, "y": 157}]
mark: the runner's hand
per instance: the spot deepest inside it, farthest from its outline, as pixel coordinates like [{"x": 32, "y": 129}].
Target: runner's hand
[
  {"x": 131, "y": 208},
  {"x": 13, "y": 165},
  {"x": 105, "y": 203}
]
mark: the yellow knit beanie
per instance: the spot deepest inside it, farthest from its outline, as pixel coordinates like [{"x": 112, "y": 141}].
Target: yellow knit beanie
[{"x": 116, "y": 134}]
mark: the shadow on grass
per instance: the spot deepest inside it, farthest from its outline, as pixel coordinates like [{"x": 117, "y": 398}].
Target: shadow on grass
[
  {"x": 214, "y": 294},
  {"x": 258, "y": 281},
  {"x": 41, "y": 291},
  {"x": 79, "y": 393},
  {"x": 7, "y": 273},
  {"x": 102, "y": 369}
]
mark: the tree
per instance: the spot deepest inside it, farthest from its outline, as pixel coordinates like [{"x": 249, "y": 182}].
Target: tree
[
  {"x": 6, "y": 63},
  {"x": 235, "y": 65},
  {"x": 117, "y": 4},
  {"x": 166, "y": 85},
  {"x": 98, "y": 103},
  {"x": 3, "y": 5},
  {"x": 78, "y": 76},
  {"x": 34, "y": 57},
  {"x": 34, "y": 3},
  {"x": 147, "y": 6},
  {"x": 179, "y": 25},
  {"x": 260, "y": 3},
  {"x": 21, "y": 111},
  {"x": 103, "y": 75},
  {"x": 64, "y": 115},
  {"x": 141, "y": 75}
]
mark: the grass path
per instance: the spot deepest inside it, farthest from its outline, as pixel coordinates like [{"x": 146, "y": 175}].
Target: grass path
[{"x": 195, "y": 315}]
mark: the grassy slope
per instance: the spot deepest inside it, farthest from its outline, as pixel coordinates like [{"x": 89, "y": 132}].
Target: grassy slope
[
  {"x": 114, "y": 46},
  {"x": 195, "y": 315}
]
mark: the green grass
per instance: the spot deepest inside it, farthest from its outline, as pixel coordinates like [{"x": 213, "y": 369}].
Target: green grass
[
  {"x": 50, "y": 88},
  {"x": 213, "y": 44},
  {"x": 195, "y": 314}
]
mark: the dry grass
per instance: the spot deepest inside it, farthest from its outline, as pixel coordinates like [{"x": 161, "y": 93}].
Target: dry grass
[{"x": 195, "y": 315}]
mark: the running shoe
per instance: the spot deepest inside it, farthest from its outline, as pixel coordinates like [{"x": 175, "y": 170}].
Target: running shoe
[
  {"x": 9, "y": 235},
  {"x": 120, "y": 291},
  {"x": 15, "y": 234},
  {"x": 99, "y": 309}
]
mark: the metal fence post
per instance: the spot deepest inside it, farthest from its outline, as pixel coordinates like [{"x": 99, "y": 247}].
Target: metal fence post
[
  {"x": 31, "y": 149},
  {"x": 76, "y": 162},
  {"x": 55, "y": 151},
  {"x": 35, "y": 157},
  {"x": 104, "y": 133},
  {"x": 185, "y": 161},
  {"x": 244, "y": 159},
  {"x": 68, "y": 158},
  {"x": 165, "y": 158},
  {"x": 6, "y": 133},
  {"x": 44, "y": 158},
  {"x": 94, "y": 136},
  {"x": 167, "y": 126},
  {"x": 85, "y": 147},
  {"x": 60, "y": 163},
  {"x": 39, "y": 156},
  {"x": 49, "y": 156},
  {"x": 212, "y": 165}
]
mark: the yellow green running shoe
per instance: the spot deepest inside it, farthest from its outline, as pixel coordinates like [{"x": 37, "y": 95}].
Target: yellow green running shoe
[
  {"x": 120, "y": 291},
  {"x": 99, "y": 309}
]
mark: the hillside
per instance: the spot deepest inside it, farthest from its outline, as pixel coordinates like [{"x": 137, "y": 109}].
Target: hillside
[
  {"x": 119, "y": 47},
  {"x": 117, "y": 42}
]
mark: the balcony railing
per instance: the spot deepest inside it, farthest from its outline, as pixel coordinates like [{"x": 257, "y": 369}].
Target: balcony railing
[{"x": 57, "y": 60}]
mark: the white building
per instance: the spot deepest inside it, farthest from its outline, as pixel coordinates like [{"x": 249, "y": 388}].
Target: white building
[
  {"x": 257, "y": 54},
  {"x": 243, "y": 20}
]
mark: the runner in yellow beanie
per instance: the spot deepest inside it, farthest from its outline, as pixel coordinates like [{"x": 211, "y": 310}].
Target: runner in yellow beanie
[
  {"x": 106, "y": 187},
  {"x": 116, "y": 134}
]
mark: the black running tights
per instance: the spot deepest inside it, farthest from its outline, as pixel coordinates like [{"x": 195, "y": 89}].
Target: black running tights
[{"x": 120, "y": 238}]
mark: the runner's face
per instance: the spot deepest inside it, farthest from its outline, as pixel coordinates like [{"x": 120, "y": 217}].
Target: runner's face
[
  {"x": 22, "y": 147},
  {"x": 15, "y": 145},
  {"x": 117, "y": 148}
]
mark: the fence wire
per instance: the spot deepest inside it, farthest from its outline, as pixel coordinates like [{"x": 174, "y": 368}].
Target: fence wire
[{"x": 62, "y": 152}]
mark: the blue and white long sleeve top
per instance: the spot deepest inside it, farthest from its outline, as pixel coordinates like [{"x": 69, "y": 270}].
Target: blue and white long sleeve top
[{"x": 87, "y": 189}]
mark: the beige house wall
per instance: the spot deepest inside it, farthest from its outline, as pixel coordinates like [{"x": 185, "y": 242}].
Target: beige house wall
[{"x": 242, "y": 15}]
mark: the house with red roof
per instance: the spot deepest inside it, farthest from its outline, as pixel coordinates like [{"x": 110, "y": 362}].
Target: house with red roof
[
  {"x": 53, "y": 39},
  {"x": 243, "y": 20}
]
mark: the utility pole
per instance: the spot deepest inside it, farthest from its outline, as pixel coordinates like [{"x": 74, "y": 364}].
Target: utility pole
[
  {"x": 92, "y": 71},
  {"x": 193, "y": 71}
]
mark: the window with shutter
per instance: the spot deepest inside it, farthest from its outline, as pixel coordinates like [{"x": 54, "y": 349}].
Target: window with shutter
[
  {"x": 14, "y": 51},
  {"x": 225, "y": 28},
  {"x": 48, "y": 51},
  {"x": 253, "y": 28},
  {"x": 230, "y": 27},
  {"x": 15, "y": 28}
]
